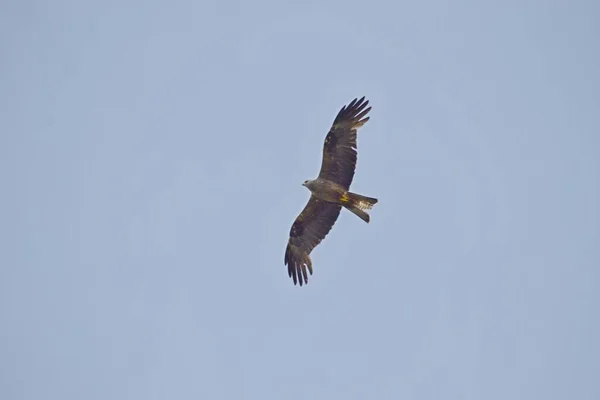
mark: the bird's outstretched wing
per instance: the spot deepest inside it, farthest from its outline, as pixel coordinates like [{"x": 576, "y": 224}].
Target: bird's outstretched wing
[
  {"x": 309, "y": 228},
  {"x": 339, "y": 150}
]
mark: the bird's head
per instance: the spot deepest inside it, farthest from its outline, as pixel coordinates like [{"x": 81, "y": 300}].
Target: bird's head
[{"x": 307, "y": 183}]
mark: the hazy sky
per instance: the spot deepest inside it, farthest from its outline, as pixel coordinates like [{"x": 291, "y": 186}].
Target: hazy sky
[{"x": 151, "y": 160}]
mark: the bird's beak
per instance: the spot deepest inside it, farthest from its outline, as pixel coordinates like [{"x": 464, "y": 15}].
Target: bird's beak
[{"x": 303, "y": 184}]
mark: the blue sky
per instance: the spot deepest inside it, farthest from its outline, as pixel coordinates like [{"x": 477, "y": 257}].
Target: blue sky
[{"x": 151, "y": 159}]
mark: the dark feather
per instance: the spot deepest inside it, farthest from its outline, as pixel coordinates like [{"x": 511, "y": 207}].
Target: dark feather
[
  {"x": 308, "y": 230},
  {"x": 339, "y": 149}
]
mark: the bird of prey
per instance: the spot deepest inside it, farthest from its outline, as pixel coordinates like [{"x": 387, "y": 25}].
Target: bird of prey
[{"x": 329, "y": 192}]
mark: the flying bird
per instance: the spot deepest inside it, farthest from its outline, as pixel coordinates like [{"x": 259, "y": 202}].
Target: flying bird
[{"x": 329, "y": 192}]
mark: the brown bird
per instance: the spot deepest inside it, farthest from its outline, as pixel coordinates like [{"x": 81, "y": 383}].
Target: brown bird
[{"x": 329, "y": 192}]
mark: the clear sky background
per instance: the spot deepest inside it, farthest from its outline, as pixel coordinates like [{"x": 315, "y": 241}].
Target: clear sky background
[{"x": 151, "y": 161}]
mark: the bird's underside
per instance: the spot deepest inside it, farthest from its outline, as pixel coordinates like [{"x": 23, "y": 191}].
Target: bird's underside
[{"x": 329, "y": 192}]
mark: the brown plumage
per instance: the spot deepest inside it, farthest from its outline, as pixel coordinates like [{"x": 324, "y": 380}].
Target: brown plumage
[{"x": 329, "y": 192}]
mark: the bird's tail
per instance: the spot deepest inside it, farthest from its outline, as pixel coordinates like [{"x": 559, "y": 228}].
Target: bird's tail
[{"x": 358, "y": 203}]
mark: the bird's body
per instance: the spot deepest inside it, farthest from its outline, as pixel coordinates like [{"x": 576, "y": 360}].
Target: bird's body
[
  {"x": 326, "y": 190},
  {"x": 332, "y": 192},
  {"x": 329, "y": 192}
]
